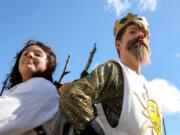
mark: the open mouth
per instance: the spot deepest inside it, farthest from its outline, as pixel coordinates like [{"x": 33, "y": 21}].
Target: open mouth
[{"x": 29, "y": 63}]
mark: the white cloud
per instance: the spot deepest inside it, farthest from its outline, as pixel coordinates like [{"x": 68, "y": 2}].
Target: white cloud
[
  {"x": 177, "y": 55},
  {"x": 119, "y": 6},
  {"x": 148, "y": 5},
  {"x": 166, "y": 94}
]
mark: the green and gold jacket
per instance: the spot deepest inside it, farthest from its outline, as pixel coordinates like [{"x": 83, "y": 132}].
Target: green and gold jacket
[{"x": 104, "y": 85}]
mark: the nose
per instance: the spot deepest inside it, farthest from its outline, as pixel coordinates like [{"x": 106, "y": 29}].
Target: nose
[
  {"x": 30, "y": 55},
  {"x": 141, "y": 35}
]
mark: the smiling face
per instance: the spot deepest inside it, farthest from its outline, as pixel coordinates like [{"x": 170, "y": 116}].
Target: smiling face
[
  {"x": 33, "y": 60},
  {"x": 134, "y": 44}
]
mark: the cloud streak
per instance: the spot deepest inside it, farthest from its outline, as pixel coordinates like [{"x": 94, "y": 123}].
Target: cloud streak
[
  {"x": 177, "y": 55},
  {"x": 121, "y": 6},
  {"x": 147, "y": 5}
]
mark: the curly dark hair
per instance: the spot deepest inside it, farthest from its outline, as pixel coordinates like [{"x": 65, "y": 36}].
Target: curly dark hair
[{"x": 15, "y": 78}]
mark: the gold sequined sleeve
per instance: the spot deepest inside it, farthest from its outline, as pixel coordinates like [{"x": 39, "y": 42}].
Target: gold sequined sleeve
[{"x": 77, "y": 99}]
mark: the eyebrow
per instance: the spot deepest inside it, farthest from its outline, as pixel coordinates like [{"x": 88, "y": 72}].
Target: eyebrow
[
  {"x": 36, "y": 50},
  {"x": 138, "y": 28},
  {"x": 134, "y": 28}
]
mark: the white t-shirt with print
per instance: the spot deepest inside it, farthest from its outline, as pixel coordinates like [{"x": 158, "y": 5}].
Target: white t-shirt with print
[{"x": 140, "y": 112}]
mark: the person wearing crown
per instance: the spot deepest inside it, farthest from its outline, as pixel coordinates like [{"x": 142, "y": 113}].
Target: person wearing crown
[{"x": 115, "y": 95}]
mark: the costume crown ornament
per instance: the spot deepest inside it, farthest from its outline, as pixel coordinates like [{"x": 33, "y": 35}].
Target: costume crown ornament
[{"x": 140, "y": 20}]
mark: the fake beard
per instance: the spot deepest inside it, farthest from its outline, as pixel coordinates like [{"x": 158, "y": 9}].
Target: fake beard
[{"x": 139, "y": 49}]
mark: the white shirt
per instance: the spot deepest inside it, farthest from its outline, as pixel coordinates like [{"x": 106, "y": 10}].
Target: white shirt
[{"x": 28, "y": 105}]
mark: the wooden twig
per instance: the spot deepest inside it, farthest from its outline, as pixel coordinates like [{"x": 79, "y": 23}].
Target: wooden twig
[
  {"x": 65, "y": 72},
  {"x": 85, "y": 71},
  {"x": 164, "y": 127}
]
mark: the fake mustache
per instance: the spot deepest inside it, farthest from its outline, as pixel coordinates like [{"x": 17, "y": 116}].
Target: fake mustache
[{"x": 136, "y": 43}]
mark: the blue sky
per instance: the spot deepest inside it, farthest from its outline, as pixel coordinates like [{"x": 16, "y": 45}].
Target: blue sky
[{"x": 70, "y": 26}]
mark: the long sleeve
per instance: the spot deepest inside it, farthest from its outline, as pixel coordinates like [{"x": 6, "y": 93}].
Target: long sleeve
[
  {"x": 101, "y": 86},
  {"x": 27, "y": 106}
]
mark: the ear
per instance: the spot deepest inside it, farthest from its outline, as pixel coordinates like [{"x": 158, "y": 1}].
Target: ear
[{"x": 118, "y": 44}]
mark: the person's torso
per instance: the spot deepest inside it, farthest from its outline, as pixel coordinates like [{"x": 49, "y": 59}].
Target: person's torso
[{"x": 140, "y": 114}]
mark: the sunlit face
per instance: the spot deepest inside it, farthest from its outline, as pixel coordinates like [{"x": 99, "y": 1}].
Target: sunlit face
[
  {"x": 135, "y": 42},
  {"x": 33, "y": 60}
]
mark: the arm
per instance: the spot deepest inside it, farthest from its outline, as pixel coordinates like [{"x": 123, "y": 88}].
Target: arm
[
  {"x": 77, "y": 100},
  {"x": 32, "y": 103}
]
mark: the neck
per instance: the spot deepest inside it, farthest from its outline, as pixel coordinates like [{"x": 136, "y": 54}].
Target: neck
[
  {"x": 132, "y": 63},
  {"x": 25, "y": 78}
]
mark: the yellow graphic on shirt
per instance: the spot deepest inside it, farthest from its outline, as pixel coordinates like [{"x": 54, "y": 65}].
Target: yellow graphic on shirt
[{"x": 151, "y": 112}]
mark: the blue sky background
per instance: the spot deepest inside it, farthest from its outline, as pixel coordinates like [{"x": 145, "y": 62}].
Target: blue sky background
[{"x": 73, "y": 26}]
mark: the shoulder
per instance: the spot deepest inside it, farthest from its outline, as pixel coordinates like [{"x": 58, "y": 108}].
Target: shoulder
[
  {"x": 110, "y": 64},
  {"x": 107, "y": 70},
  {"x": 38, "y": 80},
  {"x": 38, "y": 84}
]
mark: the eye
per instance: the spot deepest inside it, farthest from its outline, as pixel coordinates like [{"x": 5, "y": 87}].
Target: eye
[
  {"x": 132, "y": 32},
  {"x": 38, "y": 54},
  {"x": 25, "y": 53}
]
